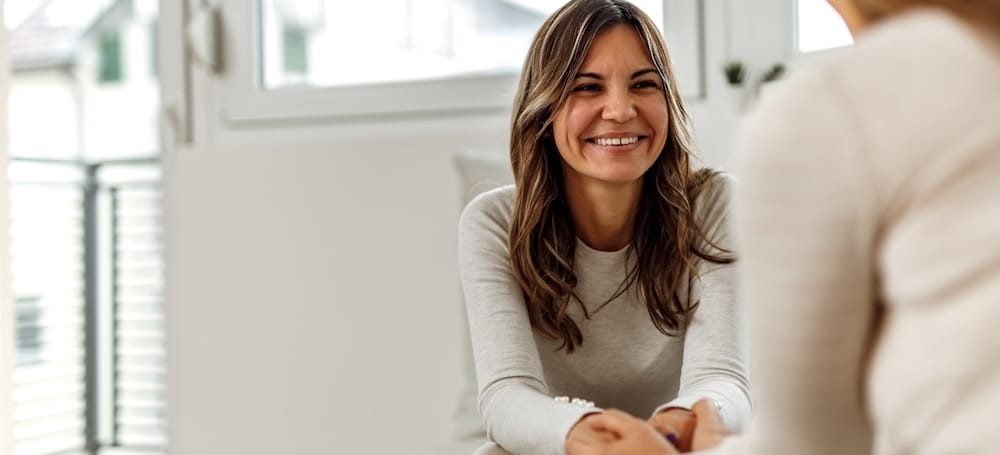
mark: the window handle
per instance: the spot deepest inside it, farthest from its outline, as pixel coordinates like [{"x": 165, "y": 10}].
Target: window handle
[
  {"x": 170, "y": 120},
  {"x": 204, "y": 37}
]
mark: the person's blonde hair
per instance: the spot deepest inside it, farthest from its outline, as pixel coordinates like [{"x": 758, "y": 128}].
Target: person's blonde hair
[
  {"x": 667, "y": 241},
  {"x": 982, "y": 12}
]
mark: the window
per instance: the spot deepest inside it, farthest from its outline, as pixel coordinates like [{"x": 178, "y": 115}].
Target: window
[
  {"x": 87, "y": 265},
  {"x": 109, "y": 56},
  {"x": 401, "y": 57},
  {"x": 820, "y": 27},
  {"x": 85, "y": 238},
  {"x": 47, "y": 264},
  {"x": 295, "y": 51},
  {"x": 333, "y": 43}
]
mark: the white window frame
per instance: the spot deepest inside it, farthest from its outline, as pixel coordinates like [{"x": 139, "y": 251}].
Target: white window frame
[{"x": 244, "y": 103}]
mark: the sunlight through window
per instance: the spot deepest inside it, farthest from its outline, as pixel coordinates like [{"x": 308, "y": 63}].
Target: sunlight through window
[{"x": 820, "y": 27}]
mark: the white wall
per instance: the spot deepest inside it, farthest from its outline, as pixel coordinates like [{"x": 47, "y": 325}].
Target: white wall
[
  {"x": 313, "y": 296},
  {"x": 6, "y": 298},
  {"x": 47, "y": 123}
]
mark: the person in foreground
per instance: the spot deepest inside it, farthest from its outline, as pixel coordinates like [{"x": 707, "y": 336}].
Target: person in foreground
[
  {"x": 868, "y": 214},
  {"x": 605, "y": 273}
]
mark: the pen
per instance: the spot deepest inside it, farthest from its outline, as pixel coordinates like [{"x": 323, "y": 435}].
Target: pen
[{"x": 672, "y": 438}]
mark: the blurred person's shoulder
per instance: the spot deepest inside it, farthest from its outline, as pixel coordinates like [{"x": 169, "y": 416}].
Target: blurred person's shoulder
[
  {"x": 917, "y": 48},
  {"x": 923, "y": 50},
  {"x": 915, "y": 85},
  {"x": 907, "y": 83}
]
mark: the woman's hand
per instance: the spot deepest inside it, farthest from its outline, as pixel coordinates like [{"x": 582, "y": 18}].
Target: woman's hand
[
  {"x": 631, "y": 436},
  {"x": 709, "y": 428},
  {"x": 583, "y": 439},
  {"x": 676, "y": 425}
]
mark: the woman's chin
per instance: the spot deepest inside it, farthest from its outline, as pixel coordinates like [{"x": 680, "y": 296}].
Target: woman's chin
[{"x": 619, "y": 178}]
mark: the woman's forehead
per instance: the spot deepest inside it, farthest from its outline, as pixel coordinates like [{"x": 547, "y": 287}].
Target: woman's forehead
[{"x": 619, "y": 47}]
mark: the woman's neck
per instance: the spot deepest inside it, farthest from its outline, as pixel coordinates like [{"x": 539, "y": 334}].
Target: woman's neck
[{"x": 603, "y": 214}]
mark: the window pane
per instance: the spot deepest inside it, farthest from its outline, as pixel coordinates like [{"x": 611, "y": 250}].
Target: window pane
[
  {"x": 329, "y": 43},
  {"x": 110, "y": 56},
  {"x": 820, "y": 27},
  {"x": 294, "y": 48}
]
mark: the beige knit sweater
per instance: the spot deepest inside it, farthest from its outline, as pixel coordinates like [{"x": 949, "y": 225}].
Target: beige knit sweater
[{"x": 868, "y": 219}]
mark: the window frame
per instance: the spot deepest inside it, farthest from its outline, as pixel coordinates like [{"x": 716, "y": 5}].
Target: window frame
[{"x": 244, "y": 103}]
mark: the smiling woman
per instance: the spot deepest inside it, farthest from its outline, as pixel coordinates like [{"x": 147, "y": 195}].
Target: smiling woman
[{"x": 605, "y": 273}]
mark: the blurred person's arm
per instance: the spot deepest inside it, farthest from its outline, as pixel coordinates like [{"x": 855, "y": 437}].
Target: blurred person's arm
[{"x": 805, "y": 221}]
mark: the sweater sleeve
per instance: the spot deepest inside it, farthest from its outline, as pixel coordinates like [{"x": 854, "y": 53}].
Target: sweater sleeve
[
  {"x": 715, "y": 354},
  {"x": 805, "y": 221},
  {"x": 514, "y": 401}
]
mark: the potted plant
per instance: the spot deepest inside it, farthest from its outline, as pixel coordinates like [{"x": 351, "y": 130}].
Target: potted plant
[
  {"x": 735, "y": 72},
  {"x": 773, "y": 74}
]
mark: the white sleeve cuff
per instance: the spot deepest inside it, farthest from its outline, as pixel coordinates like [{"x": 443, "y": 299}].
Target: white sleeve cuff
[
  {"x": 687, "y": 402},
  {"x": 735, "y": 404}
]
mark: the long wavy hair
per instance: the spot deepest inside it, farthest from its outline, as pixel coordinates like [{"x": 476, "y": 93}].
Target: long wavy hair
[
  {"x": 985, "y": 13},
  {"x": 666, "y": 243}
]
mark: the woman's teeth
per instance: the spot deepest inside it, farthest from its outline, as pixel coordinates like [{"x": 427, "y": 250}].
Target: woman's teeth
[{"x": 616, "y": 140}]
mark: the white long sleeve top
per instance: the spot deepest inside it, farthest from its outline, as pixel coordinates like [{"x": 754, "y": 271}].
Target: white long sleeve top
[{"x": 624, "y": 361}]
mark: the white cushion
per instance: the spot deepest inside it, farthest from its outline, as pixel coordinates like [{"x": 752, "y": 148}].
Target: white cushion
[{"x": 479, "y": 172}]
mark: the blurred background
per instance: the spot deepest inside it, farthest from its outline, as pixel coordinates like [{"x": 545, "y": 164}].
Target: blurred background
[{"x": 228, "y": 226}]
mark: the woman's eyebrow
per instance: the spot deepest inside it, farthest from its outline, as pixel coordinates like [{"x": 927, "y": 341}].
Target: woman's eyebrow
[
  {"x": 643, "y": 72},
  {"x": 599, "y": 77}
]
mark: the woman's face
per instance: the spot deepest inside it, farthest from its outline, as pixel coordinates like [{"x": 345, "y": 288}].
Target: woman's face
[{"x": 613, "y": 126}]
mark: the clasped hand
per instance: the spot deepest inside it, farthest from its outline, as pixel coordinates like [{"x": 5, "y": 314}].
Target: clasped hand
[{"x": 669, "y": 432}]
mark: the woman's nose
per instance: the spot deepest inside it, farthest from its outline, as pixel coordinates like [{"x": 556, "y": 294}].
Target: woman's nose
[{"x": 618, "y": 106}]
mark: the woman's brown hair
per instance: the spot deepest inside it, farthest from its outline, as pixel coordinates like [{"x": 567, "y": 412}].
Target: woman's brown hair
[{"x": 667, "y": 241}]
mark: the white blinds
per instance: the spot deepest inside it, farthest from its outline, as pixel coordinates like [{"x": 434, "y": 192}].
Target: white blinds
[
  {"x": 140, "y": 360},
  {"x": 127, "y": 409},
  {"x": 47, "y": 255}
]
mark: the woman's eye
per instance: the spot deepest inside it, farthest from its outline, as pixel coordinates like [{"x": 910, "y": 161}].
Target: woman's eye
[
  {"x": 587, "y": 88},
  {"x": 646, "y": 84}
]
